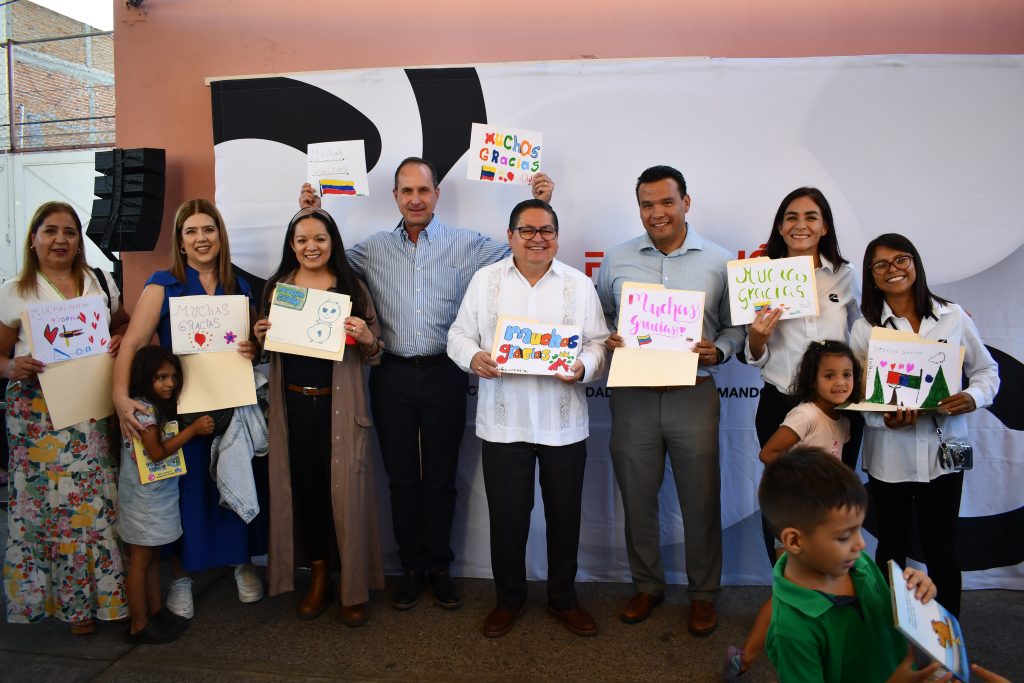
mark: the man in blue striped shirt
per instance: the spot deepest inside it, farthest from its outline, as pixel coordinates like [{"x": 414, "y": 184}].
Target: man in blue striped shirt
[
  {"x": 417, "y": 274},
  {"x": 647, "y": 421}
]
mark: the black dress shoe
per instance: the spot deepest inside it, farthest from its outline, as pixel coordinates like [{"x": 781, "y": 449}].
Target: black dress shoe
[
  {"x": 444, "y": 590},
  {"x": 408, "y": 594}
]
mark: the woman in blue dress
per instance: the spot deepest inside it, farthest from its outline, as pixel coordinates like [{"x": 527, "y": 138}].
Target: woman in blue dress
[{"x": 213, "y": 536}]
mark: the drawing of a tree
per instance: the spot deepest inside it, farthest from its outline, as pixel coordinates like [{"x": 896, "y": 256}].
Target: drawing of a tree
[
  {"x": 938, "y": 391},
  {"x": 876, "y": 393}
]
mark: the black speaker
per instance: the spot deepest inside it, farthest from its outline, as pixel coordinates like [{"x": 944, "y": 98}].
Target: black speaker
[{"x": 130, "y": 205}]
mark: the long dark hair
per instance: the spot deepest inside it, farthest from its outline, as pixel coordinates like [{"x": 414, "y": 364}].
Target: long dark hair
[
  {"x": 347, "y": 280},
  {"x": 803, "y": 387},
  {"x": 872, "y": 297},
  {"x": 147, "y": 362},
  {"x": 828, "y": 246}
]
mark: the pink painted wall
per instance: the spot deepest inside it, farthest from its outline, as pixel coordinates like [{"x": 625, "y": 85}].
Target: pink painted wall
[{"x": 164, "y": 52}]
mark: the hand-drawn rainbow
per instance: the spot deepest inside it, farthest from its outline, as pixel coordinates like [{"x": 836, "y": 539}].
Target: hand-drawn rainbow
[
  {"x": 487, "y": 172},
  {"x": 337, "y": 187}
]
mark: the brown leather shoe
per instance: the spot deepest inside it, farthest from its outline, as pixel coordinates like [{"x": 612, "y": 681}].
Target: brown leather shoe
[
  {"x": 354, "y": 616},
  {"x": 577, "y": 620},
  {"x": 500, "y": 621},
  {"x": 703, "y": 618},
  {"x": 640, "y": 607},
  {"x": 319, "y": 596}
]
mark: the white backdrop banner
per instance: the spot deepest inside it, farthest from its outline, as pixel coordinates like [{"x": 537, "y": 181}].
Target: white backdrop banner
[{"x": 928, "y": 146}]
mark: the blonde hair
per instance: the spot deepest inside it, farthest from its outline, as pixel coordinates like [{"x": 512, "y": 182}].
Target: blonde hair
[
  {"x": 225, "y": 276},
  {"x": 30, "y": 261}
]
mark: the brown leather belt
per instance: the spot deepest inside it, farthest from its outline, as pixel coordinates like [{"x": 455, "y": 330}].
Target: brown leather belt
[
  {"x": 310, "y": 391},
  {"x": 665, "y": 390}
]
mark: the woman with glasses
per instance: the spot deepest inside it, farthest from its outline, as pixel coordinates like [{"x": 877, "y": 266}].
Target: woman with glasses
[
  {"x": 901, "y": 448},
  {"x": 213, "y": 536},
  {"x": 321, "y": 484}
]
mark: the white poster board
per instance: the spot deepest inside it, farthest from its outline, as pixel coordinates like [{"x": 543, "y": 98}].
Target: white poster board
[
  {"x": 337, "y": 168},
  {"x": 308, "y": 322},
  {"x": 500, "y": 154},
  {"x": 532, "y": 347},
  {"x": 69, "y": 329},
  {"x": 208, "y": 324},
  {"x": 762, "y": 283}
]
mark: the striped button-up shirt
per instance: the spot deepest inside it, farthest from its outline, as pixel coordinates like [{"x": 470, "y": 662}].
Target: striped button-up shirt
[{"x": 417, "y": 286}]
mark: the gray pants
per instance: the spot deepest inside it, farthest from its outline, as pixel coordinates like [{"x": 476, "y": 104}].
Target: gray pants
[{"x": 646, "y": 423}]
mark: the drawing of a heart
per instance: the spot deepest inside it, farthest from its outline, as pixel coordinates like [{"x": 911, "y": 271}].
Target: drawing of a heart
[
  {"x": 200, "y": 338},
  {"x": 900, "y": 367},
  {"x": 910, "y": 366},
  {"x": 50, "y": 333},
  {"x": 81, "y": 316},
  {"x": 96, "y": 314},
  {"x": 882, "y": 363},
  {"x": 94, "y": 326},
  {"x": 90, "y": 339},
  {"x": 103, "y": 342}
]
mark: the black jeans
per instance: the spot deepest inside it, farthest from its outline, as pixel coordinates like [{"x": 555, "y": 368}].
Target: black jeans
[
  {"x": 509, "y": 481},
  {"x": 419, "y": 408},
  {"x": 937, "y": 504},
  {"x": 309, "y": 458}
]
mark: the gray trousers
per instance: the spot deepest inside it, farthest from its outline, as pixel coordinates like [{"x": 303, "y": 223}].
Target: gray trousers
[{"x": 645, "y": 424}]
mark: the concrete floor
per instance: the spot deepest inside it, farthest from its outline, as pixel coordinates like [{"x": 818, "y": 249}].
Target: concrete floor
[{"x": 230, "y": 641}]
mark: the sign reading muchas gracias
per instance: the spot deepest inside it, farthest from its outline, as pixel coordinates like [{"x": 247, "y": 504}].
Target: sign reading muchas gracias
[
  {"x": 763, "y": 284},
  {"x": 205, "y": 324},
  {"x": 651, "y": 317},
  {"x": 903, "y": 369},
  {"x": 500, "y": 154},
  {"x": 337, "y": 168},
  {"x": 65, "y": 330},
  {"x": 531, "y": 347}
]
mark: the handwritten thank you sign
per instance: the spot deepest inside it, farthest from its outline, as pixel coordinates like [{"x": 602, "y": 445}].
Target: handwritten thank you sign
[
  {"x": 66, "y": 330},
  {"x": 530, "y": 347},
  {"x": 499, "y": 154},
  {"x": 204, "y": 324},
  {"x": 763, "y": 284}
]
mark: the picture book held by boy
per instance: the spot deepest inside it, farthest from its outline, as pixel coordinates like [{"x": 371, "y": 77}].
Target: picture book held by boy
[{"x": 929, "y": 627}]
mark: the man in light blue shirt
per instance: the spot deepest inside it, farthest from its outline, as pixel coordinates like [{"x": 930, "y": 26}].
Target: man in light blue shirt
[
  {"x": 417, "y": 274},
  {"x": 647, "y": 421}
]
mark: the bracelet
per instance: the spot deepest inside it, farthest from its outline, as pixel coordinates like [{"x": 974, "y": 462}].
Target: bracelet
[{"x": 375, "y": 345}]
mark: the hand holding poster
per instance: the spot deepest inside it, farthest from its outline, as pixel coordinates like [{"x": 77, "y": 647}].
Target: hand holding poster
[
  {"x": 502, "y": 154},
  {"x": 903, "y": 369},
  {"x": 763, "y": 283},
  {"x": 65, "y": 330},
  {"x": 660, "y": 327},
  {"x": 204, "y": 324},
  {"x": 530, "y": 347},
  {"x": 337, "y": 168},
  {"x": 308, "y": 322}
]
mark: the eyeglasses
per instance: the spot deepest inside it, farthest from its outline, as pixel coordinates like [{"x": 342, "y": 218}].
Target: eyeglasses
[
  {"x": 901, "y": 262},
  {"x": 528, "y": 233}
]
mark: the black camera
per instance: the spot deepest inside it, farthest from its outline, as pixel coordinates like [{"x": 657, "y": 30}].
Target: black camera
[{"x": 956, "y": 455}]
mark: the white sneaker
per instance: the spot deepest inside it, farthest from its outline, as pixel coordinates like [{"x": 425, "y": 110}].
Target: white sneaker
[
  {"x": 179, "y": 598},
  {"x": 250, "y": 588}
]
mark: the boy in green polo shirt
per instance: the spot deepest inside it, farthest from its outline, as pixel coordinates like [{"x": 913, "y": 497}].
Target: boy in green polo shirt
[{"x": 831, "y": 607}]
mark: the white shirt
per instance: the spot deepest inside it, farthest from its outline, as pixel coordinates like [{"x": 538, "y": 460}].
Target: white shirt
[
  {"x": 815, "y": 428},
  {"x": 13, "y": 304},
  {"x": 911, "y": 453},
  {"x": 838, "y": 297},
  {"x": 531, "y": 408}
]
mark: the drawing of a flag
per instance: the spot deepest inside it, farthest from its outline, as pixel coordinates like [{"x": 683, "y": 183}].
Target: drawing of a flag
[
  {"x": 644, "y": 339},
  {"x": 337, "y": 187},
  {"x": 487, "y": 172},
  {"x": 902, "y": 380}
]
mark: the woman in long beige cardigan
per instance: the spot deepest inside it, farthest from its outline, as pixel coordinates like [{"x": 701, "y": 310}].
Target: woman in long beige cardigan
[{"x": 322, "y": 492}]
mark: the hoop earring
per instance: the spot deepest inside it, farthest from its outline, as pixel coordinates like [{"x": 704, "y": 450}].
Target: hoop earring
[
  {"x": 78, "y": 252},
  {"x": 182, "y": 250}
]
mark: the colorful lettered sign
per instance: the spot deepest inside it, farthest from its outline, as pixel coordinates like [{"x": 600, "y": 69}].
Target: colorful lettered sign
[
  {"x": 531, "y": 347},
  {"x": 762, "y": 283},
  {"x": 204, "y": 324},
  {"x": 70, "y": 329},
  {"x": 499, "y": 154},
  {"x": 308, "y": 322},
  {"x": 337, "y": 168},
  {"x": 652, "y": 317}
]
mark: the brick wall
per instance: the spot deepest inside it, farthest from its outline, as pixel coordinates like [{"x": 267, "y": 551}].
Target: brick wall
[{"x": 62, "y": 89}]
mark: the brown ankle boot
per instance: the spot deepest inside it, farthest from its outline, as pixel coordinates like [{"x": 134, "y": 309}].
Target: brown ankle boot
[{"x": 319, "y": 596}]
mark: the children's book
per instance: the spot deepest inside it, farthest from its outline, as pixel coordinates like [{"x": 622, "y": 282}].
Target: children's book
[
  {"x": 930, "y": 628},
  {"x": 158, "y": 470}
]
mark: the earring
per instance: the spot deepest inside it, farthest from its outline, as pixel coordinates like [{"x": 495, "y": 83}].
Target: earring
[
  {"x": 79, "y": 251},
  {"x": 182, "y": 250}
]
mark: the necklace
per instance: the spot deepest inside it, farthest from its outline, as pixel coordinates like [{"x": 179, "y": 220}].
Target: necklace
[{"x": 57, "y": 289}]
